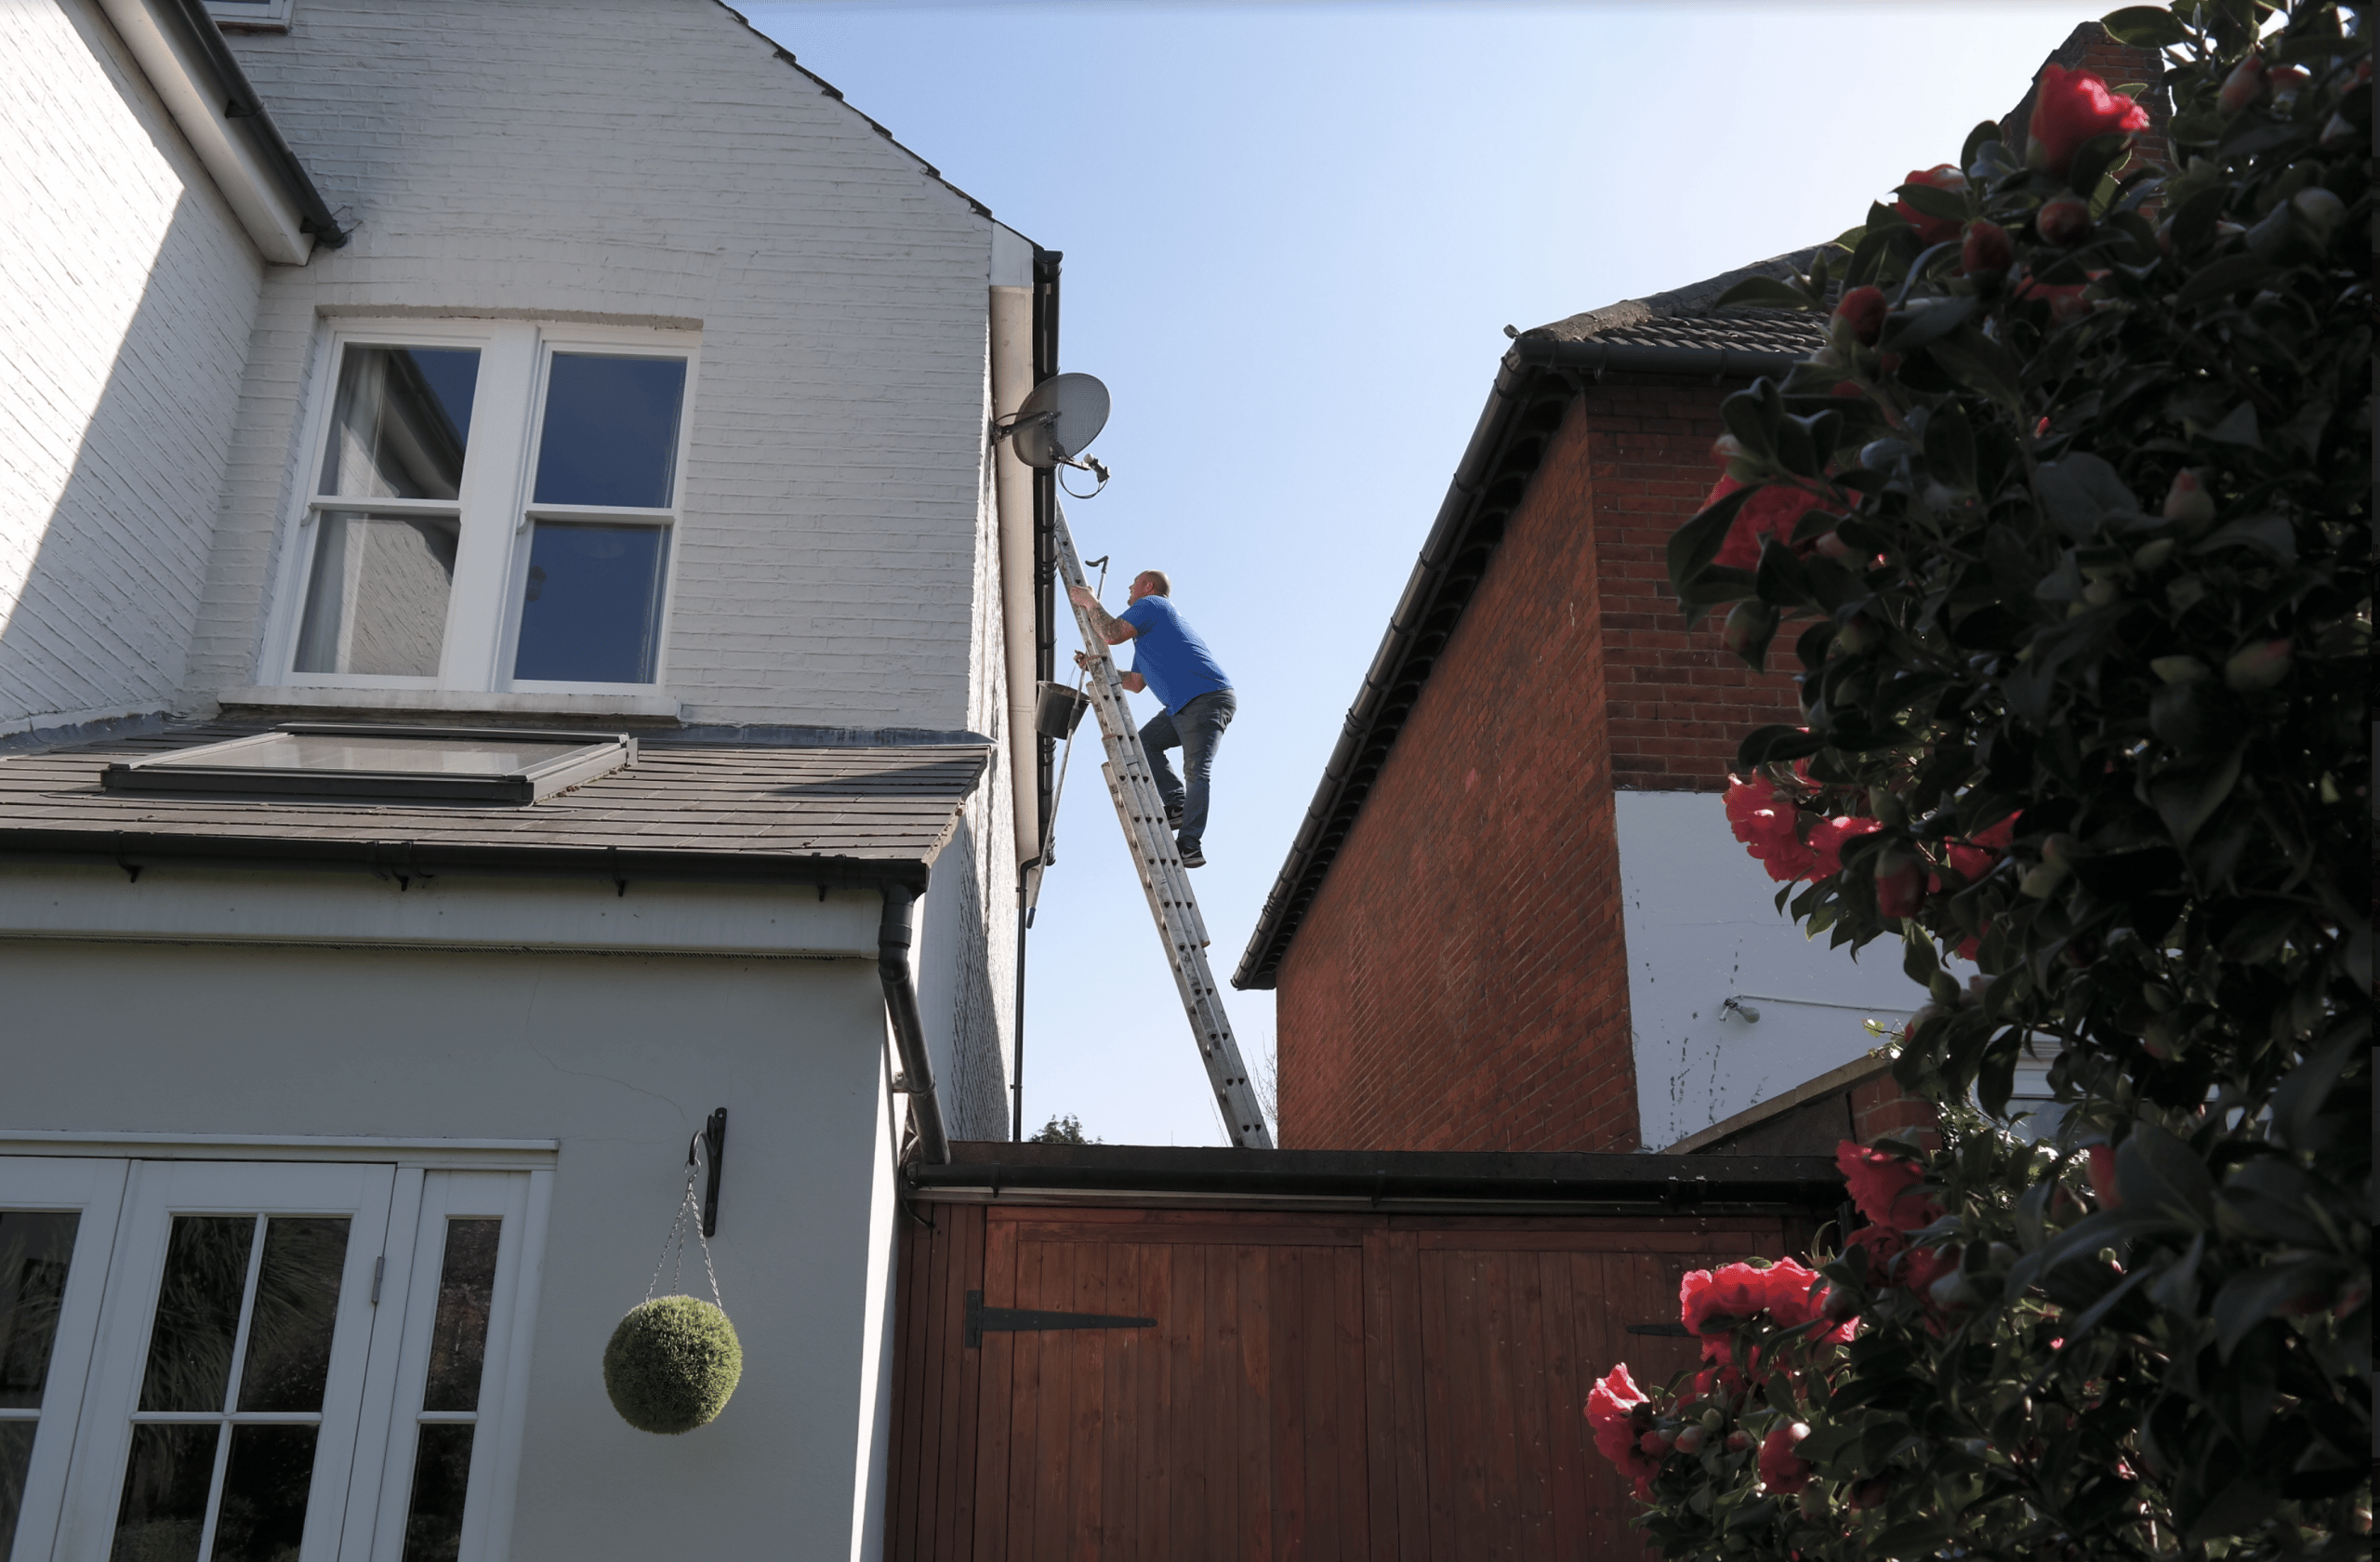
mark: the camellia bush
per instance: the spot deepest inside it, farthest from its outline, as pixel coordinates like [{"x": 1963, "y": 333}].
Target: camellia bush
[{"x": 2068, "y": 536}]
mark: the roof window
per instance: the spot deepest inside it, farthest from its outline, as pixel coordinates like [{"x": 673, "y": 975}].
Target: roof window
[{"x": 447, "y": 765}]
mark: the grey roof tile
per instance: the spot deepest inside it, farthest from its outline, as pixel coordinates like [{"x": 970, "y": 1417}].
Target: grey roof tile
[{"x": 1685, "y": 317}]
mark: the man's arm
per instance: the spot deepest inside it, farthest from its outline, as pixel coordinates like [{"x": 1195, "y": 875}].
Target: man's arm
[
  {"x": 1132, "y": 682},
  {"x": 1112, "y": 630}
]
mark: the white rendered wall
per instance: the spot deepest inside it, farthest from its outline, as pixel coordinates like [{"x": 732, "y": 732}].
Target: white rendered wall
[
  {"x": 126, "y": 292},
  {"x": 620, "y": 1058},
  {"x": 655, "y": 162},
  {"x": 1701, "y": 929}
]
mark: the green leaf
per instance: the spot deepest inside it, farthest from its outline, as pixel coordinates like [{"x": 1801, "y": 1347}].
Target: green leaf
[
  {"x": 1978, "y": 139},
  {"x": 1695, "y": 544},
  {"x": 2187, "y": 796},
  {"x": 2081, "y": 493},
  {"x": 2155, "y": 1171},
  {"x": 1950, "y": 446},
  {"x": 2146, "y": 26},
  {"x": 1928, "y": 200},
  {"x": 1906, "y": 330},
  {"x": 1977, "y": 361},
  {"x": 2093, "y": 160},
  {"x": 2239, "y": 426},
  {"x": 1767, "y": 291},
  {"x": 2220, "y": 279},
  {"x": 2269, "y": 534}
]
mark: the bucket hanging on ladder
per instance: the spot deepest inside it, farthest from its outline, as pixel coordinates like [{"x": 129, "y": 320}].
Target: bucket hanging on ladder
[{"x": 674, "y": 1361}]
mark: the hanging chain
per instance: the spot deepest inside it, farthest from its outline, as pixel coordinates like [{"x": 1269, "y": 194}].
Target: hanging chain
[{"x": 688, "y": 1214}]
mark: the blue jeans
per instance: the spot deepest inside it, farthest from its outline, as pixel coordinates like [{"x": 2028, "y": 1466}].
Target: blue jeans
[{"x": 1195, "y": 729}]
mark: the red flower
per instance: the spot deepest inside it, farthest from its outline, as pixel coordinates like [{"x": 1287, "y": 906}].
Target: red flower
[
  {"x": 1784, "y": 1293},
  {"x": 2063, "y": 220},
  {"x": 1780, "y": 1469},
  {"x": 1611, "y": 1406},
  {"x": 1770, "y": 512},
  {"x": 1828, "y": 838},
  {"x": 1933, "y": 229},
  {"x": 2103, "y": 1177},
  {"x": 1862, "y": 313},
  {"x": 1986, "y": 251},
  {"x": 1880, "y": 1186},
  {"x": 2069, "y": 107},
  {"x": 1980, "y": 852},
  {"x": 1770, "y": 825}
]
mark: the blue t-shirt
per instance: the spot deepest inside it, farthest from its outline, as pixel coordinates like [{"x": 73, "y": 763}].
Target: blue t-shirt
[{"x": 1169, "y": 655}]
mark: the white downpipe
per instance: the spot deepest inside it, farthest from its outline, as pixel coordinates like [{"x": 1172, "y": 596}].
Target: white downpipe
[{"x": 1012, "y": 483}]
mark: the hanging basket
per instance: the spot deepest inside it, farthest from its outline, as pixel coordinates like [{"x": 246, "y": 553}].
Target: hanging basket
[
  {"x": 674, "y": 1361},
  {"x": 671, "y": 1363}
]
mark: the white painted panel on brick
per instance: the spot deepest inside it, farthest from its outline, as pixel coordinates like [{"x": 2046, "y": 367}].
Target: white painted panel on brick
[{"x": 1701, "y": 929}]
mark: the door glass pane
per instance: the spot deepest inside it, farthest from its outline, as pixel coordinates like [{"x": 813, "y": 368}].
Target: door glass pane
[
  {"x": 610, "y": 435},
  {"x": 35, "y": 1248},
  {"x": 15, "y": 1458},
  {"x": 164, "y": 1515},
  {"x": 265, "y": 1483},
  {"x": 590, "y": 611},
  {"x": 442, "y": 1473},
  {"x": 400, "y": 421},
  {"x": 458, "y": 1337},
  {"x": 296, "y": 1306},
  {"x": 198, "y": 1314},
  {"x": 375, "y": 598}
]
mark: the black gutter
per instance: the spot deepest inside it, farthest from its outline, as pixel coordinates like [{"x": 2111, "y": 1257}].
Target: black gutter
[
  {"x": 988, "y": 1171},
  {"x": 1046, "y": 266},
  {"x": 244, "y": 108},
  {"x": 895, "y": 935},
  {"x": 1533, "y": 389},
  {"x": 134, "y": 851}
]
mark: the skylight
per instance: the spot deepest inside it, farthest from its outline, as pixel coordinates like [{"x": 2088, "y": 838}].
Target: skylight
[{"x": 384, "y": 764}]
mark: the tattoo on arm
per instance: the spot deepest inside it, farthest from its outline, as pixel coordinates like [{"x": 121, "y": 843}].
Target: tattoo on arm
[{"x": 1112, "y": 630}]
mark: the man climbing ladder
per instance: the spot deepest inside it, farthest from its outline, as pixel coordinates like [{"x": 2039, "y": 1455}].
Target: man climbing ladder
[
  {"x": 1164, "y": 879},
  {"x": 1195, "y": 698}
]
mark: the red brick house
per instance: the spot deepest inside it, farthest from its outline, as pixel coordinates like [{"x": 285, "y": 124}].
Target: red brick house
[{"x": 1515, "y": 917}]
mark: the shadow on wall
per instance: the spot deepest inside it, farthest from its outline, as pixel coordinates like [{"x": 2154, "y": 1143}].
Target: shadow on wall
[
  {"x": 972, "y": 1079},
  {"x": 100, "y": 598}
]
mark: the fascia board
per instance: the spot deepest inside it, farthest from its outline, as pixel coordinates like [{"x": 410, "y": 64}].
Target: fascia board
[{"x": 189, "y": 84}]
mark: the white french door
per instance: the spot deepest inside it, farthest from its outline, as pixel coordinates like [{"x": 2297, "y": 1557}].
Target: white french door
[{"x": 253, "y": 1361}]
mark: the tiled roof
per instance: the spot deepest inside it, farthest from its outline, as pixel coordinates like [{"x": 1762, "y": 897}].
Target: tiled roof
[
  {"x": 1685, "y": 318},
  {"x": 790, "y": 813}
]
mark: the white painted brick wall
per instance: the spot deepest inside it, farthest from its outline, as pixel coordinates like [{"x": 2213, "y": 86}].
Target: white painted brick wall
[
  {"x": 645, "y": 159},
  {"x": 127, "y": 293}
]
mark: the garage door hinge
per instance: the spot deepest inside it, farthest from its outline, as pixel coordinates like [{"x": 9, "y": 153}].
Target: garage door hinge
[{"x": 1011, "y": 1320}]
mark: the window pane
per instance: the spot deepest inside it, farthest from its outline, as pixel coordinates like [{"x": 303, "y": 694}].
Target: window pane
[
  {"x": 16, "y": 1457},
  {"x": 441, "y": 1474},
  {"x": 198, "y": 1314},
  {"x": 611, "y": 430},
  {"x": 34, "y": 1248},
  {"x": 458, "y": 1337},
  {"x": 377, "y": 601},
  {"x": 590, "y": 611},
  {"x": 399, "y": 424},
  {"x": 297, "y": 1305},
  {"x": 265, "y": 1484},
  {"x": 164, "y": 1493}
]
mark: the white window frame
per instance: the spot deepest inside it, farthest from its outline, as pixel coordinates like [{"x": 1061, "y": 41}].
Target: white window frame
[
  {"x": 250, "y": 16},
  {"x": 494, "y": 501},
  {"x": 389, "y": 1295}
]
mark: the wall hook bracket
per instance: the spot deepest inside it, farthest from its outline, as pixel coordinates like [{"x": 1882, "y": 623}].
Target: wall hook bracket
[{"x": 711, "y": 1141}]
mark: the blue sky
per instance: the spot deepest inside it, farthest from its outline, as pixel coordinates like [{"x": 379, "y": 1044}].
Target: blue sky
[{"x": 1293, "y": 235}]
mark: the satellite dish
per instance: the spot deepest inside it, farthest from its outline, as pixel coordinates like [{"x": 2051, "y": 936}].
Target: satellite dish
[{"x": 1063, "y": 414}]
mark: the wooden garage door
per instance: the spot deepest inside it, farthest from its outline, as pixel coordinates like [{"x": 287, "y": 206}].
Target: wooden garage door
[{"x": 1314, "y": 1386}]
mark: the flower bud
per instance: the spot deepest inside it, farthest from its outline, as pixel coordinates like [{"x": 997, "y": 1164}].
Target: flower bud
[
  {"x": 1749, "y": 623},
  {"x": 1690, "y": 1439},
  {"x": 1861, "y": 315},
  {"x": 2243, "y": 85},
  {"x": 1831, "y": 546},
  {"x": 2285, "y": 80},
  {"x": 1737, "y": 1442},
  {"x": 2149, "y": 555},
  {"x": 2187, "y": 500},
  {"x": 1953, "y": 1291},
  {"x": 1868, "y": 1494},
  {"x": 1813, "y": 1502},
  {"x": 1858, "y": 634},
  {"x": 2064, "y": 221},
  {"x": 2257, "y": 666},
  {"x": 1713, "y": 1420},
  {"x": 2177, "y": 669},
  {"x": 1986, "y": 251},
  {"x": 1654, "y": 1443}
]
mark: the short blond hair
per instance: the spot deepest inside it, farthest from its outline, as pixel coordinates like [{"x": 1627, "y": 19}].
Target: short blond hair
[{"x": 1159, "y": 582}]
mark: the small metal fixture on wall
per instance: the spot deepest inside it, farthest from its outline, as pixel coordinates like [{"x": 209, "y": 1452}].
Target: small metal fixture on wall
[{"x": 711, "y": 1138}]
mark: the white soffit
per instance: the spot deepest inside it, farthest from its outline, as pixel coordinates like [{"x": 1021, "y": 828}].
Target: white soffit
[{"x": 187, "y": 84}]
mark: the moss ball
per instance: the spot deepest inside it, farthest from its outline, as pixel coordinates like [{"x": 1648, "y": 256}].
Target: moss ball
[{"x": 671, "y": 1363}]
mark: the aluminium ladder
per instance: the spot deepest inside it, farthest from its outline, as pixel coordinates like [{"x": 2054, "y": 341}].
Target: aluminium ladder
[{"x": 1163, "y": 879}]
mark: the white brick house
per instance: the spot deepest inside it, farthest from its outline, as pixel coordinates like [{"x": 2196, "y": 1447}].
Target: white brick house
[{"x": 583, "y": 372}]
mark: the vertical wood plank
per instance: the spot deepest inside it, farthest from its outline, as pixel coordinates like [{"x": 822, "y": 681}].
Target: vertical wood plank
[
  {"x": 965, "y": 1273},
  {"x": 996, "y": 1422},
  {"x": 1380, "y": 1429}
]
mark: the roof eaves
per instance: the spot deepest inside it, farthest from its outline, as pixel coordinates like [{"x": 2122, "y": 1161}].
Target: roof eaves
[{"x": 831, "y": 90}]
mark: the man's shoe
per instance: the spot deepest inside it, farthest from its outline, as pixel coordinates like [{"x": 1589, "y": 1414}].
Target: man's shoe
[
  {"x": 1173, "y": 818},
  {"x": 1193, "y": 857}
]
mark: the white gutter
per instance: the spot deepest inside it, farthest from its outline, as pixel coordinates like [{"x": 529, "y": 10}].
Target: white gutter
[
  {"x": 193, "y": 86},
  {"x": 1011, "y": 339}
]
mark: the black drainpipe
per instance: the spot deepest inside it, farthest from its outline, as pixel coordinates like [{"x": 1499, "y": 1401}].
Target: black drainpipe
[{"x": 893, "y": 937}]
